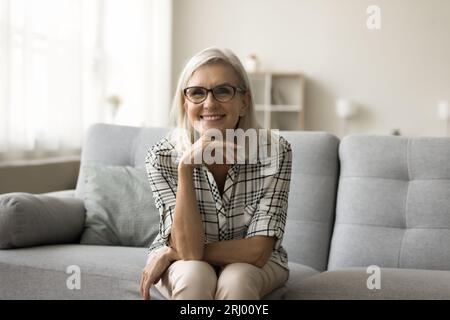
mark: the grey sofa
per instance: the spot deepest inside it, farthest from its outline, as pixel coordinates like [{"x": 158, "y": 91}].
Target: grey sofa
[{"x": 364, "y": 201}]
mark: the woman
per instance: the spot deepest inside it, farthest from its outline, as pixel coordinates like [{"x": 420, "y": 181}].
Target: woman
[{"x": 222, "y": 222}]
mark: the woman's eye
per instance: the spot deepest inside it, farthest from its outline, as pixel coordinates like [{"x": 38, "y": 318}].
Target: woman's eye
[
  {"x": 197, "y": 92},
  {"x": 222, "y": 91}
]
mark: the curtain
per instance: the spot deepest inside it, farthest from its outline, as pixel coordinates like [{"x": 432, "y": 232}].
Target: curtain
[
  {"x": 137, "y": 57},
  {"x": 66, "y": 64}
]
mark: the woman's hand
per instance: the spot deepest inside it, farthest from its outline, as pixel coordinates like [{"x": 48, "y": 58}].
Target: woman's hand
[
  {"x": 195, "y": 155},
  {"x": 157, "y": 264}
]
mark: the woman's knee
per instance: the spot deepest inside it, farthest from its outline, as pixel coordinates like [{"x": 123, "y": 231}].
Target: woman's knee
[
  {"x": 193, "y": 280},
  {"x": 240, "y": 281}
]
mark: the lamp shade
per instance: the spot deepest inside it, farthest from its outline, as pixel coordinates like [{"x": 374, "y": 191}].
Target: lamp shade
[
  {"x": 443, "y": 110},
  {"x": 345, "y": 108}
]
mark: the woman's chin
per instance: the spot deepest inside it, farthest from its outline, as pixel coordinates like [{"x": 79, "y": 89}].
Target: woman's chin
[
  {"x": 210, "y": 126},
  {"x": 203, "y": 126}
]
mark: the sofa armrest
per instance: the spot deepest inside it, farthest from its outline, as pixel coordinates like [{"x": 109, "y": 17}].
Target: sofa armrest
[
  {"x": 70, "y": 193},
  {"x": 34, "y": 219}
]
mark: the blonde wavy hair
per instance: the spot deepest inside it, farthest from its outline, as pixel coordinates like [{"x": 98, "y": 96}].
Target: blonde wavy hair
[{"x": 183, "y": 134}]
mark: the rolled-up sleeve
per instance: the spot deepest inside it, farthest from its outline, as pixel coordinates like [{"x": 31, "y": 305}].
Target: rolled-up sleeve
[
  {"x": 163, "y": 183},
  {"x": 269, "y": 218}
]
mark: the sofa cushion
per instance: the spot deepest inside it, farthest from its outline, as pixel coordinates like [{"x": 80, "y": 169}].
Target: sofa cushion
[
  {"x": 106, "y": 272},
  {"x": 393, "y": 205},
  {"x": 297, "y": 273},
  {"x": 120, "y": 209},
  {"x": 351, "y": 283},
  {"x": 312, "y": 198},
  {"x": 28, "y": 220}
]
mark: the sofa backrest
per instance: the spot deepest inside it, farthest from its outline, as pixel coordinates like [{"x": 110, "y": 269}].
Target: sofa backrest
[
  {"x": 115, "y": 145},
  {"x": 393, "y": 205},
  {"x": 313, "y": 183}
]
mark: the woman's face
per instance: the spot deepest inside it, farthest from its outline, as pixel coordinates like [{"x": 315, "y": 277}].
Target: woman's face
[{"x": 212, "y": 113}]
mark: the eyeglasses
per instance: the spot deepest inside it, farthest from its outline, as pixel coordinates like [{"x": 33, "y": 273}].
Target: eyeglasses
[{"x": 222, "y": 93}]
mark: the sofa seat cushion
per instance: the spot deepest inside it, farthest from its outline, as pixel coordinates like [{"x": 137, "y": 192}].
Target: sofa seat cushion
[
  {"x": 106, "y": 272},
  {"x": 351, "y": 283},
  {"x": 297, "y": 273}
]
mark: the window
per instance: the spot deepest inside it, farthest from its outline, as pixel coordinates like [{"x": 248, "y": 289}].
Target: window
[{"x": 60, "y": 64}]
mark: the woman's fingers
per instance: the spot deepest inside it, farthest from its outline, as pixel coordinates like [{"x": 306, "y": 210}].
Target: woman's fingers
[
  {"x": 152, "y": 273},
  {"x": 141, "y": 285},
  {"x": 146, "y": 288},
  {"x": 228, "y": 149},
  {"x": 146, "y": 282}
]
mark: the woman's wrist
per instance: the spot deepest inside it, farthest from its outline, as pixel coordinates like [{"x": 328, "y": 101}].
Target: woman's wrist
[
  {"x": 171, "y": 255},
  {"x": 185, "y": 168}
]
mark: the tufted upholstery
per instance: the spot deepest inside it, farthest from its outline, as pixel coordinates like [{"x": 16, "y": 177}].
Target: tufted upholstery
[
  {"x": 116, "y": 145},
  {"x": 393, "y": 203}
]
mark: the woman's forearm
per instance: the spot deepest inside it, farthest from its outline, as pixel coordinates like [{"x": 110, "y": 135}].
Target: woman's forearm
[
  {"x": 250, "y": 250},
  {"x": 187, "y": 235}
]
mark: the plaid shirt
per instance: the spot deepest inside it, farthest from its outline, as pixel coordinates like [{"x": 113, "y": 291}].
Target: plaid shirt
[{"x": 253, "y": 203}]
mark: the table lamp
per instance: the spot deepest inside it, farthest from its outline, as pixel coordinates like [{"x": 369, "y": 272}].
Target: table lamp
[
  {"x": 345, "y": 109},
  {"x": 444, "y": 113}
]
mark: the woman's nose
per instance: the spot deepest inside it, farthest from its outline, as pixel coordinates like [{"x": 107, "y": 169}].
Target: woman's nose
[{"x": 210, "y": 101}]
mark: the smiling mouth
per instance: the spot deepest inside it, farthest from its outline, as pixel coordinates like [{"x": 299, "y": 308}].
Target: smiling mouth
[{"x": 212, "y": 117}]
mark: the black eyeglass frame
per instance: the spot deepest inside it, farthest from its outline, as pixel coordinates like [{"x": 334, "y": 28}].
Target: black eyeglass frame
[{"x": 235, "y": 89}]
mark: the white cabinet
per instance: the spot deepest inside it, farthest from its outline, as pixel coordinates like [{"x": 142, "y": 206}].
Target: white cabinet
[{"x": 279, "y": 99}]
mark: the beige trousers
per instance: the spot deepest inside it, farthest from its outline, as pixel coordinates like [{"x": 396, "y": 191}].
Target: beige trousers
[{"x": 198, "y": 280}]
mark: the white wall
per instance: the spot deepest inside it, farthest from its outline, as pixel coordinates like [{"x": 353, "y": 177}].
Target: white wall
[{"x": 396, "y": 74}]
